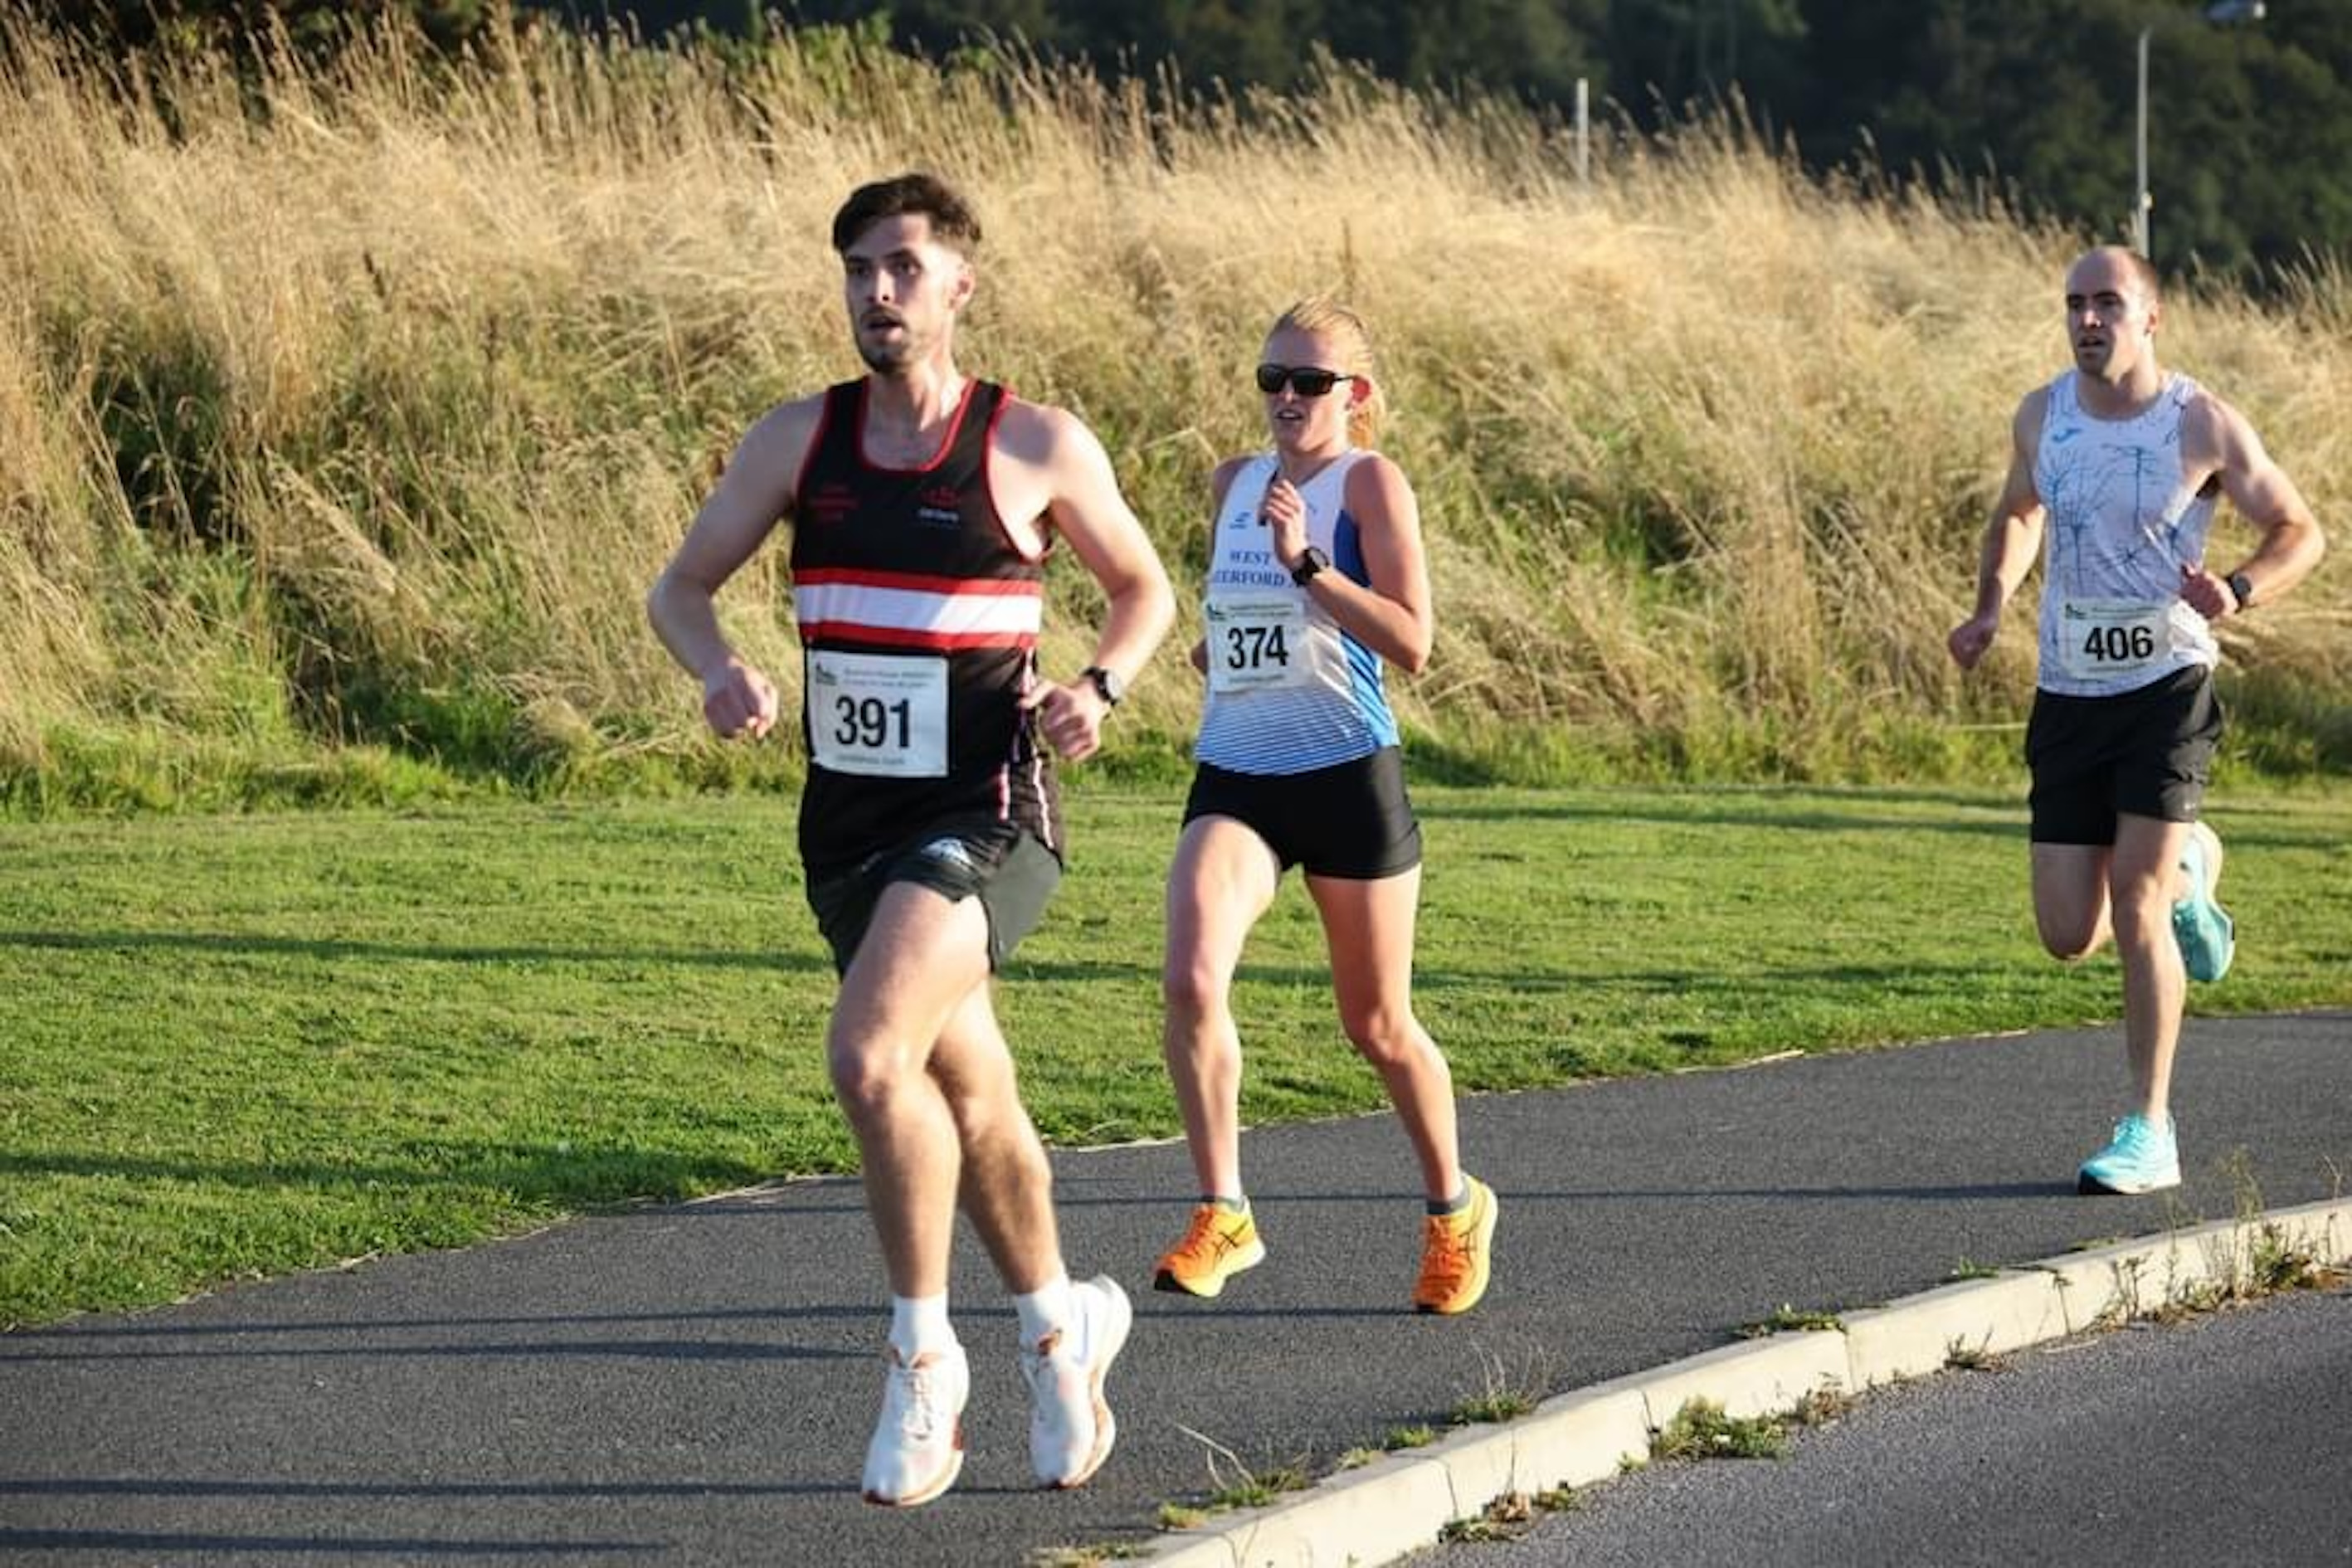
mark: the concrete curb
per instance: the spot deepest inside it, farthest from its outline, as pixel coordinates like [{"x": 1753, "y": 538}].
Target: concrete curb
[{"x": 1401, "y": 1501}]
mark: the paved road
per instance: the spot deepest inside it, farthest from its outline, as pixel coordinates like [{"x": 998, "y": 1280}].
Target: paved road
[
  {"x": 694, "y": 1385},
  {"x": 2218, "y": 1439}
]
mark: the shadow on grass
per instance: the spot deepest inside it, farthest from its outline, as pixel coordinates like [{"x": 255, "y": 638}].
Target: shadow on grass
[
  {"x": 568, "y": 1181},
  {"x": 1809, "y": 819},
  {"x": 79, "y": 1332},
  {"x": 331, "y": 950}
]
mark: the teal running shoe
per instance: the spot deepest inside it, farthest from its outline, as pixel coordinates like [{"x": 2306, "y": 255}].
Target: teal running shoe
[
  {"x": 2144, "y": 1158},
  {"x": 2207, "y": 935}
]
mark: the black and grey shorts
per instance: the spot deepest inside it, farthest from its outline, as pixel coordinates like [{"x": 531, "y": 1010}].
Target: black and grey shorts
[
  {"x": 1006, "y": 867},
  {"x": 1350, "y": 820},
  {"x": 2148, "y": 753}
]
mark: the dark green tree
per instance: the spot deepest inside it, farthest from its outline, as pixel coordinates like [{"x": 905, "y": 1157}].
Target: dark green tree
[{"x": 232, "y": 24}]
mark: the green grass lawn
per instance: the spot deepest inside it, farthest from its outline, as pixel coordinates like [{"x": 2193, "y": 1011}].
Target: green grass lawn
[{"x": 236, "y": 1046}]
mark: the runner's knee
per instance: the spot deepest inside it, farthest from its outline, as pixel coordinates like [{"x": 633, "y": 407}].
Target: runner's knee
[
  {"x": 1192, "y": 991},
  {"x": 2070, "y": 936},
  {"x": 867, "y": 1078},
  {"x": 1384, "y": 1035}
]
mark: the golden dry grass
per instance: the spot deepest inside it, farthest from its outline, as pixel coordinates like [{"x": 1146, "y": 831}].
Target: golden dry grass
[{"x": 356, "y": 403}]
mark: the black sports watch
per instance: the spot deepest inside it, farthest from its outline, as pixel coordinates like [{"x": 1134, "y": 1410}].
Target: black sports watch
[
  {"x": 2242, "y": 588},
  {"x": 1310, "y": 565},
  {"x": 1108, "y": 685}
]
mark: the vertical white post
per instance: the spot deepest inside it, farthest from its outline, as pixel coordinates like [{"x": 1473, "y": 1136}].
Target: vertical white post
[
  {"x": 2143, "y": 200},
  {"x": 1583, "y": 132}
]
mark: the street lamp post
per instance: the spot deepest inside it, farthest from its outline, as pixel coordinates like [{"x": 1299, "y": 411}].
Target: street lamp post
[
  {"x": 2141, "y": 202},
  {"x": 2225, "y": 13}
]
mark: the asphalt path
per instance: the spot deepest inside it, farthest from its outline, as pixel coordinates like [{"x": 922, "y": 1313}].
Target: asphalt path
[
  {"x": 695, "y": 1383},
  {"x": 2217, "y": 1438}
]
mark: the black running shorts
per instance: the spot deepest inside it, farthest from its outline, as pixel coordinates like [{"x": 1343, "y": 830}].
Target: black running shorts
[
  {"x": 2148, "y": 753},
  {"x": 1353, "y": 820},
  {"x": 1004, "y": 866}
]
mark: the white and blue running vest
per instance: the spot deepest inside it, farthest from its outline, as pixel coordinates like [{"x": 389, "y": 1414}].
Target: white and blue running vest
[
  {"x": 1289, "y": 690},
  {"x": 2122, "y": 520}
]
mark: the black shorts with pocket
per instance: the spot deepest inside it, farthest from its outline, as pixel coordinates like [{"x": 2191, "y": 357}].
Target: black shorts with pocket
[
  {"x": 1006, "y": 867},
  {"x": 2148, "y": 753}
]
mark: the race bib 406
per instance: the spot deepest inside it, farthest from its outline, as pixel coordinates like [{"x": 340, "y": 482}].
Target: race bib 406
[{"x": 2100, "y": 640}]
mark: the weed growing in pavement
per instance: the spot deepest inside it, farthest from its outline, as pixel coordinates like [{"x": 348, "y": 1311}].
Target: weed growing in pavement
[
  {"x": 2274, "y": 1261},
  {"x": 2191, "y": 1299},
  {"x": 2254, "y": 1257},
  {"x": 1233, "y": 1484},
  {"x": 1089, "y": 1555},
  {"x": 1961, "y": 1356},
  {"x": 2277, "y": 1262},
  {"x": 1256, "y": 1488},
  {"x": 1416, "y": 1436},
  {"x": 1785, "y": 1318},
  {"x": 1969, "y": 1268},
  {"x": 1512, "y": 1515},
  {"x": 1503, "y": 1398},
  {"x": 1822, "y": 1405},
  {"x": 1496, "y": 1405},
  {"x": 1701, "y": 1430},
  {"x": 1507, "y": 1518}
]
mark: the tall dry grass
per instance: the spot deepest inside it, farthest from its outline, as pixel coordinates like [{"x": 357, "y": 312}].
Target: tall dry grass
[{"x": 346, "y": 410}]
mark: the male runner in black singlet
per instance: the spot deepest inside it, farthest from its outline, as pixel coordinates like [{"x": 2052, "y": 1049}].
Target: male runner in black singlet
[{"x": 922, "y": 503}]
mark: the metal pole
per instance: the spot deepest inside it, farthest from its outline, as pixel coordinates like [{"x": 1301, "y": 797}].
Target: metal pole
[
  {"x": 1583, "y": 132},
  {"x": 2140, "y": 207}
]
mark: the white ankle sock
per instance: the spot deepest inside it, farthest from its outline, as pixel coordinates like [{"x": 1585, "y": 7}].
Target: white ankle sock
[
  {"x": 920, "y": 1324},
  {"x": 1043, "y": 1310}
]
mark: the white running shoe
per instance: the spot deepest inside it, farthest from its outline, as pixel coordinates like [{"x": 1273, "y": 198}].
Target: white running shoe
[
  {"x": 1071, "y": 1428},
  {"x": 918, "y": 1446}
]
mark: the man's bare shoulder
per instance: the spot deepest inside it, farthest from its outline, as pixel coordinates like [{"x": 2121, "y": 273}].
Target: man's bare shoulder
[
  {"x": 793, "y": 421},
  {"x": 1043, "y": 434},
  {"x": 769, "y": 457},
  {"x": 2025, "y": 424},
  {"x": 2205, "y": 412}
]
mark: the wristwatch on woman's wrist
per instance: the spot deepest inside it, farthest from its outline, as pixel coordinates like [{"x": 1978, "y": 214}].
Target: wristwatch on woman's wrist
[
  {"x": 2242, "y": 588},
  {"x": 1310, "y": 565},
  {"x": 1106, "y": 683}
]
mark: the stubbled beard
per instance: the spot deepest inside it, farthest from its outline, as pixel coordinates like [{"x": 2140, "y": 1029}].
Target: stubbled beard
[{"x": 886, "y": 356}]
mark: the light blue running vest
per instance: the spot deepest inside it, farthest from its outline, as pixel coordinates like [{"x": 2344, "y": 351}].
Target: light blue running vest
[{"x": 1289, "y": 690}]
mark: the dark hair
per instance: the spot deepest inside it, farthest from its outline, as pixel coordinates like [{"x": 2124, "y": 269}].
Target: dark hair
[{"x": 953, "y": 224}]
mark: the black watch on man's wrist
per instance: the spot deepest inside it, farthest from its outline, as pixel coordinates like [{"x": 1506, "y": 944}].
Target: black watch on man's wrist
[
  {"x": 1310, "y": 565},
  {"x": 1108, "y": 685},
  {"x": 2242, "y": 588}
]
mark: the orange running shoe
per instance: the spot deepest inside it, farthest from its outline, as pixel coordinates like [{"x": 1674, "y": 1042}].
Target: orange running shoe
[
  {"x": 1219, "y": 1245},
  {"x": 1457, "y": 1254}
]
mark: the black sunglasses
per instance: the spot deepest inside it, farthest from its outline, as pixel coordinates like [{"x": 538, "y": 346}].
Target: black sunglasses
[{"x": 1304, "y": 379}]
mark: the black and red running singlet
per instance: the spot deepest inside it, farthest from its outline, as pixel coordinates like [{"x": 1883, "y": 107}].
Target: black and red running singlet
[{"x": 918, "y": 618}]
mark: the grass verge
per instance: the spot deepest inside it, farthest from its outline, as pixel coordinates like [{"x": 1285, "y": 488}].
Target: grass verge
[{"x": 238, "y": 1047}]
